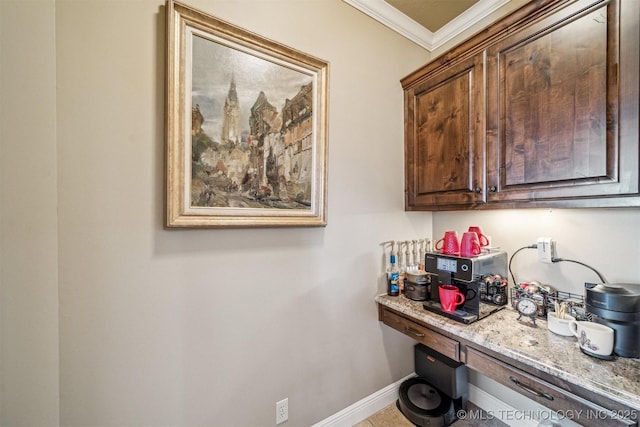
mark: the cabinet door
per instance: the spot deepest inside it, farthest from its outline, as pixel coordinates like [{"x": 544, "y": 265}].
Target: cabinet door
[
  {"x": 444, "y": 138},
  {"x": 555, "y": 128}
]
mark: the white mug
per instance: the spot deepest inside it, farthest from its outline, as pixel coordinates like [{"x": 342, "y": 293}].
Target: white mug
[{"x": 593, "y": 337}]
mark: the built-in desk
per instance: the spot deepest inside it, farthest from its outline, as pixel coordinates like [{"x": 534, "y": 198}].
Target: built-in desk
[{"x": 548, "y": 368}]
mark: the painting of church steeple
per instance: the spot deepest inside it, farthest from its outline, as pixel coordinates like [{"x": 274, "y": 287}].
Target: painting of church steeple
[
  {"x": 257, "y": 136},
  {"x": 231, "y": 116}
]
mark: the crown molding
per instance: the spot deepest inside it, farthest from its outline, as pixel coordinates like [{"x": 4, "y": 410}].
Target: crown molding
[{"x": 388, "y": 15}]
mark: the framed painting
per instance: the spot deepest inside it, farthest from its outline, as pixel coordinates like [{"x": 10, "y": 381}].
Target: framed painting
[{"x": 246, "y": 127}]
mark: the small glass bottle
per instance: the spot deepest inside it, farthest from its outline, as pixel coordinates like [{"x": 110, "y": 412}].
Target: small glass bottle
[{"x": 393, "y": 277}]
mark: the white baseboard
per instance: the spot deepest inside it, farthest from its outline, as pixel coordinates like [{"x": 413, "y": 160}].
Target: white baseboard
[
  {"x": 364, "y": 408},
  {"x": 379, "y": 400}
]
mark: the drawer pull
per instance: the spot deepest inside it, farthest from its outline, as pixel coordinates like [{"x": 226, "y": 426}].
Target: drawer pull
[
  {"x": 530, "y": 390},
  {"x": 413, "y": 332}
]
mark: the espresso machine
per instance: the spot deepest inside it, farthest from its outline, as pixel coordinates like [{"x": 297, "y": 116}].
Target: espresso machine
[{"x": 482, "y": 297}]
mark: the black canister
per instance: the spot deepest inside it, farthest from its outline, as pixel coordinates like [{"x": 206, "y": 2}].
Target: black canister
[
  {"x": 618, "y": 307},
  {"x": 416, "y": 286}
]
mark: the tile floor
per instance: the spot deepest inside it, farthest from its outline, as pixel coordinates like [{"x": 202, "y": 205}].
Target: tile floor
[{"x": 392, "y": 417}]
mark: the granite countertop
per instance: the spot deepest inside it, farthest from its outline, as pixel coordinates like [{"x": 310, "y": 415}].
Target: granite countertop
[{"x": 537, "y": 347}]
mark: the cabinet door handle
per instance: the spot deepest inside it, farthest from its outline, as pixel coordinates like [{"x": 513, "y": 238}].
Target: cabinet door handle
[
  {"x": 413, "y": 332},
  {"x": 530, "y": 390},
  {"x": 477, "y": 190},
  {"x": 493, "y": 188}
]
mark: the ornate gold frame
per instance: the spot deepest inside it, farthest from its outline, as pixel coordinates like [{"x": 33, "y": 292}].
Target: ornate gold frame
[{"x": 183, "y": 22}]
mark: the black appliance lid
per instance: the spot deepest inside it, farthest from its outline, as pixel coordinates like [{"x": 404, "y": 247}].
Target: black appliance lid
[
  {"x": 419, "y": 399},
  {"x": 621, "y": 297}
]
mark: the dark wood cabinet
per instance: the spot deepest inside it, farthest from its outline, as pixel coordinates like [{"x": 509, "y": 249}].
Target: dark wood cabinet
[
  {"x": 553, "y": 115},
  {"x": 556, "y": 397},
  {"x": 540, "y": 109},
  {"x": 445, "y": 137},
  {"x": 420, "y": 333}
]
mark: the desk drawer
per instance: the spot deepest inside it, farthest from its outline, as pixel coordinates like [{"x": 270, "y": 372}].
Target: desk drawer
[
  {"x": 431, "y": 339},
  {"x": 581, "y": 410}
]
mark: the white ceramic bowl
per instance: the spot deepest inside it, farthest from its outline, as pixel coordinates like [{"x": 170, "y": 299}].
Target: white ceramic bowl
[{"x": 559, "y": 326}]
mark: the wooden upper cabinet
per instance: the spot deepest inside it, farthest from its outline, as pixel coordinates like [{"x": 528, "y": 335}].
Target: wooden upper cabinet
[
  {"x": 549, "y": 93},
  {"x": 553, "y": 117},
  {"x": 445, "y": 137}
]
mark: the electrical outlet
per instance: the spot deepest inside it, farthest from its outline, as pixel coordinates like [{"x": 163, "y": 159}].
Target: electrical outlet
[
  {"x": 282, "y": 411},
  {"x": 546, "y": 249}
]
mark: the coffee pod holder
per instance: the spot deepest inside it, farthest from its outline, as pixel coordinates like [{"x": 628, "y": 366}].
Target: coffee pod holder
[{"x": 546, "y": 299}]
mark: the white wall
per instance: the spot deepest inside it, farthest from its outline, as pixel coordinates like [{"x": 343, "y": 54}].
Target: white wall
[
  {"x": 190, "y": 327},
  {"x": 28, "y": 217},
  {"x": 606, "y": 239}
]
